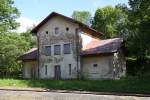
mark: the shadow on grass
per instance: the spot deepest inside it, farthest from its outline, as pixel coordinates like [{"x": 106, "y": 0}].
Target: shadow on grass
[{"x": 123, "y": 85}]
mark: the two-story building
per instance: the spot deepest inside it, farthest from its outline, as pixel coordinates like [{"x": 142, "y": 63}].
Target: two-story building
[{"x": 69, "y": 49}]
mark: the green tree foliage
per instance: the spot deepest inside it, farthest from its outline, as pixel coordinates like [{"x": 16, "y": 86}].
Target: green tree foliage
[
  {"x": 31, "y": 39},
  {"x": 82, "y": 16},
  {"x": 8, "y": 14},
  {"x": 12, "y": 46},
  {"x": 111, "y": 21},
  {"x": 139, "y": 25}
]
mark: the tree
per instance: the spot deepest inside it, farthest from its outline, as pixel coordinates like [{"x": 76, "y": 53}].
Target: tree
[
  {"x": 111, "y": 21},
  {"x": 8, "y": 14},
  {"x": 31, "y": 39},
  {"x": 139, "y": 21},
  {"x": 82, "y": 16},
  {"x": 12, "y": 46}
]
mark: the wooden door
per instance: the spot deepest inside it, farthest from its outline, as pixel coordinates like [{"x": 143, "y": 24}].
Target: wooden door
[
  {"x": 33, "y": 72},
  {"x": 57, "y": 72}
]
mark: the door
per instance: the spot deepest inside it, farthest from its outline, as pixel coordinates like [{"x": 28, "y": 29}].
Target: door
[
  {"x": 33, "y": 72},
  {"x": 57, "y": 72}
]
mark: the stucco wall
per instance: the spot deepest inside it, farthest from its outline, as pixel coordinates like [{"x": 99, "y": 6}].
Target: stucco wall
[
  {"x": 102, "y": 71},
  {"x": 28, "y": 68},
  {"x": 52, "y": 39},
  {"x": 109, "y": 66}
]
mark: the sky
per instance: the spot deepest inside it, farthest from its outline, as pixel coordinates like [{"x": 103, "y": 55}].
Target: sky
[{"x": 34, "y": 11}]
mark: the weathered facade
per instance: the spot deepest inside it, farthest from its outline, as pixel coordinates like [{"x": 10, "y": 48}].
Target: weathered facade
[
  {"x": 59, "y": 63},
  {"x": 61, "y": 54}
]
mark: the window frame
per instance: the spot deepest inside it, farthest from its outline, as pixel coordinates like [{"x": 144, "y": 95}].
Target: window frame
[
  {"x": 55, "y": 49},
  {"x": 64, "y": 50},
  {"x": 48, "y": 53}
]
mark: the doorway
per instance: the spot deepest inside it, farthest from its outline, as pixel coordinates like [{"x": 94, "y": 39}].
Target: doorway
[{"x": 57, "y": 72}]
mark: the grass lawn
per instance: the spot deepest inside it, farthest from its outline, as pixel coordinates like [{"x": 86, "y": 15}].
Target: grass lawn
[{"x": 122, "y": 85}]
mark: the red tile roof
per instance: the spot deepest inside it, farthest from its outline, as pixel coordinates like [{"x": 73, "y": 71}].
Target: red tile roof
[
  {"x": 94, "y": 47},
  {"x": 102, "y": 46}
]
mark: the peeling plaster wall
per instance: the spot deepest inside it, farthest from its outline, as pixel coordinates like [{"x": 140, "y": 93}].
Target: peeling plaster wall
[
  {"x": 109, "y": 66},
  {"x": 52, "y": 39},
  {"x": 119, "y": 64},
  {"x": 104, "y": 70}
]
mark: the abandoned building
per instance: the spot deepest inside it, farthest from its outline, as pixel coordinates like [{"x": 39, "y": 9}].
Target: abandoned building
[{"x": 69, "y": 49}]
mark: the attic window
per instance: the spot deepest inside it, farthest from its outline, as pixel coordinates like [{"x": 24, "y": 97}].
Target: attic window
[
  {"x": 56, "y": 30},
  {"x": 95, "y": 65},
  {"x": 46, "y": 32},
  {"x": 67, "y": 28}
]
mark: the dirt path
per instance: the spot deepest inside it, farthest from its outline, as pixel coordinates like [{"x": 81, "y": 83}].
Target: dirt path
[{"x": 30, "y": 95}]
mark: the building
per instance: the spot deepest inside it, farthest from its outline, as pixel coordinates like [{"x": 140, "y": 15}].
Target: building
[{"x": 69, "y": 49}]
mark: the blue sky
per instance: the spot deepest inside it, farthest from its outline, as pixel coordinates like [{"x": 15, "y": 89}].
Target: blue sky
[
  {"x": 33, "y": 11},
  {"x": 38, "y": 9}
]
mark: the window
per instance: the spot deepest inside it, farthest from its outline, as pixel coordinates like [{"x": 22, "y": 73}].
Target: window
[
  {"x": 67, "y": 49},
  {"x": 56, "y": 30},
  {"x": 45, "y": 69},
  {"x": 48, "y": 50},
  {"x": 57, "y": 50},
  {"x": 95, "y": 65},
  {"x": 67, "y": 28},
  {"x": 46, "y": 32},
  {"x": 69, "y": 69}
]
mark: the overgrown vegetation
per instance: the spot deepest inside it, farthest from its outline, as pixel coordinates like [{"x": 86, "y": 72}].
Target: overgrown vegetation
[
  {"x": 130, "y": 84},
  {"x": 129, "y": 22},
  {"x": 12, "y": 44}
]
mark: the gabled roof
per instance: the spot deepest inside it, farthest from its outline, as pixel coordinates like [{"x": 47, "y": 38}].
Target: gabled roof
[
  {"x": 84, "y": 27},
  {"x": 95, "y": 47},
  {"x": 102, "y": 46}
]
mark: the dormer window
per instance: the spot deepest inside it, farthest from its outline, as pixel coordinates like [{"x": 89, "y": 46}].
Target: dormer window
[{"x": 56, "y": 30}]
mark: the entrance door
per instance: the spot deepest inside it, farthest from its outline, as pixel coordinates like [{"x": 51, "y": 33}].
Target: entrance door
[
  {"x": 33, "y": 72},
  {"x": 57, "y": 72}
]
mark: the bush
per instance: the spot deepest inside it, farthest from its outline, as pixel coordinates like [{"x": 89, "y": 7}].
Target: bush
[{"x": 138, "y": 67}]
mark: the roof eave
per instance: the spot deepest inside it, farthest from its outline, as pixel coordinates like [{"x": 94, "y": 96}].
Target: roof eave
[{"x": 84, "y": 27}]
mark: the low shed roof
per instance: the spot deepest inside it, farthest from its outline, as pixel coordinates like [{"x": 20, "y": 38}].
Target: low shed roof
[
  {"x": 30, "y": 55},
  {"x": 102, "y": 46},
  {"x": 95, "y": 47}
]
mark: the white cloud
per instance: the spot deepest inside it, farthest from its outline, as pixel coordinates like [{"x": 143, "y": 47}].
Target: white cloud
[{"x": 25, "y": 23}]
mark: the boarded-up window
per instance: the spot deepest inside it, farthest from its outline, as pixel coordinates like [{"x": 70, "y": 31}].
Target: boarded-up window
[
  {"x": 57, "y": 50},
  {"x": 67, "y": 49},
  {"x": 48, "y": 50}
]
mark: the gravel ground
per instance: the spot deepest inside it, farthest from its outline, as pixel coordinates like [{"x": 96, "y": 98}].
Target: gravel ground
[{"x": 30, "y": 95}]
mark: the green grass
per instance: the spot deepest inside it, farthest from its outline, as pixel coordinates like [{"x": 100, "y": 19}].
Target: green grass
[{"x": 122, "y": 85}]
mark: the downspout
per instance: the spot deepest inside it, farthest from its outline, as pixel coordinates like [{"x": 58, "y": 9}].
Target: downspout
[
  {"x": 77, "y": 51},
  {"x": 38, "y": 58}
]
